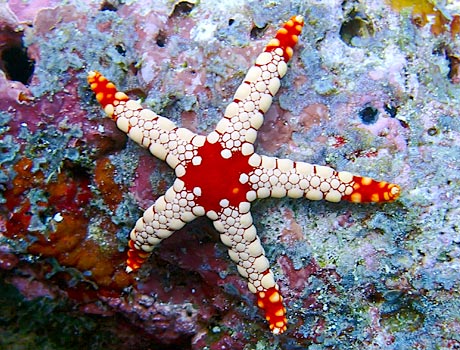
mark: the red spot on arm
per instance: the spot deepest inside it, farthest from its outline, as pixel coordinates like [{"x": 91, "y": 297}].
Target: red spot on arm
[
  {"x": 286, "y": 37},
  {"x": 271, "y": 302},
  {"x": 366, "y": 189},
  {"x": 135, "y": 257},
  {"x": 104, "y": 89}
]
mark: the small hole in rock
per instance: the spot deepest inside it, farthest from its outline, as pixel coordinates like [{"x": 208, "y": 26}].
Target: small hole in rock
[
  {"x": 16, "y": 64},
  {"x": 368, "y": 115},
  {"x": 161, "y": 39},
  {"x": 454, "y": 68},
  {"x": 432, "y": 131},
  {"x": 108, "y": 6},
  {"x": 182, "y": 8},
  {"x": 121, "y": 49},
  {"x": 391, "y": 110},
  {"x": 356, "y": 26},
  {"x": 257, "y": 32}
]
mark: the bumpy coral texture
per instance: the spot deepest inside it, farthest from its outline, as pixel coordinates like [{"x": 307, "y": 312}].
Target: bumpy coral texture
[{"x": 220, "y": 175}]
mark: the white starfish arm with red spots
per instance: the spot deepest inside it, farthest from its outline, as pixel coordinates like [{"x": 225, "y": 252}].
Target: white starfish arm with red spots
[
  {"x": 275, "y": 177},
  {"x": 237, "y": 131},
  {"x": 220, "y": 175},
  {"x": 240, "y": 236},
  {"x": 169, "y": 214},
  {"x": 161, "y": 136}
]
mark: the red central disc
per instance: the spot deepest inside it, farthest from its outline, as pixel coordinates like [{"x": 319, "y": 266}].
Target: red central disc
[{"x": 217, "y": 177}]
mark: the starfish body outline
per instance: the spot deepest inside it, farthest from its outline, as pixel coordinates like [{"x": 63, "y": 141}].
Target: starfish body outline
[{"x": 220, "y": 174}]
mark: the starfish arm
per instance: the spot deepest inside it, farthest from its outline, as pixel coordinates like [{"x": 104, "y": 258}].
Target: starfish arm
[
  {"x": 275, "y": 177},
  {"x": 239, "y": 234},
  {"x": 244, "y": 116},
  {"x": 169, "y": 214},
  {"x": 161, "y": 136}
]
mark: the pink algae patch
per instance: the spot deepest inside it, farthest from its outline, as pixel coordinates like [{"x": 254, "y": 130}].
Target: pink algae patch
[
  {"x": 276, "y": 130},
  {"x": 313, "y": 115}
]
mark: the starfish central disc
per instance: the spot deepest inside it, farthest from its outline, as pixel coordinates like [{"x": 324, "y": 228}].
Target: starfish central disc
[{"x": 210, "y": 176}]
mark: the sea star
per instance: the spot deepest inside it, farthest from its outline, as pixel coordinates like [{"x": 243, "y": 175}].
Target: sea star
[{"x": 219, "y": 175}]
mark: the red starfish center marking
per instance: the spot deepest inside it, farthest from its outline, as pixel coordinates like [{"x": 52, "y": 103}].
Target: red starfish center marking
[{"x": 217, "y": 177}]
